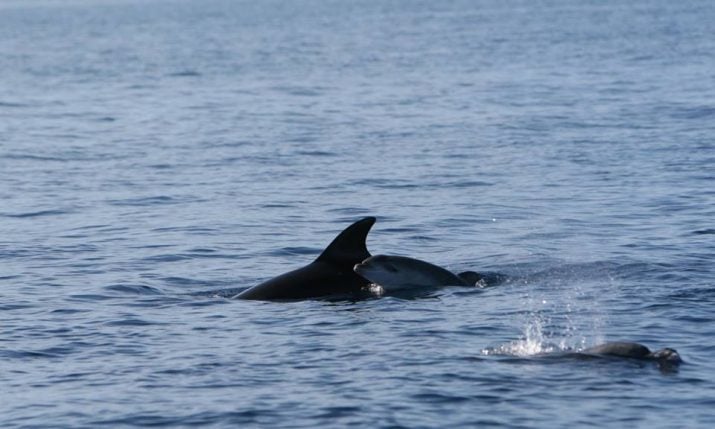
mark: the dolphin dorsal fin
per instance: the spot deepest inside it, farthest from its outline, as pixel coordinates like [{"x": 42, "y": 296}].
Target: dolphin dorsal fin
[{"x": 349, "y": 246}]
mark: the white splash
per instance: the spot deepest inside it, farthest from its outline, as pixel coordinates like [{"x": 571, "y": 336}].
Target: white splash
[
  {"x": 535, "y": 342},
  {"x": 375, "y": 289}
]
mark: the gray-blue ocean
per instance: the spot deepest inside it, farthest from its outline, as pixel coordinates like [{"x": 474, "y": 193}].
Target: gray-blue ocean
[{"x": 159, "y": 156}]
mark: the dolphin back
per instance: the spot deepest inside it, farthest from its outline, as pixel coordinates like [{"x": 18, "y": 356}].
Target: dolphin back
[{"x": 621, "y": 349}]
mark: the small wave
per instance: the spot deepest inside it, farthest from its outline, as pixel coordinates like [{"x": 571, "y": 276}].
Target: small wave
[
  {"x": 316, "y": 153},
  {"x": 438, "y": 398},
  {"x": 88, "y": 297},
  {"x": 166, "y": 258},
  {"x": 134, "y": 289},
  {"x": 8, "y": 307},
  {"x": 709, "y": 231},
  {"x": 51, "y": 352},
  {"x": 300, "y": 91},
  {"x": 29, "y": 157},
  {"x": 40, "y": 213},
  {"x": 13, "y": 105},
  {"x": 144, "y": 201},
  {"x": 23, "y": 354},
  {"x": 338, "y": 412},
  {"x": 233, "y": 418},
  {"x": 69, "y": 311},
  {"x": 219, "y": 293},
  {"x": 130, "y": 322},
  {"x": 469, "y": 184},
  {"x": 296, "y": 250},
  {"x": 699, "y": 112},
  {"x": 185, "y": 73}
]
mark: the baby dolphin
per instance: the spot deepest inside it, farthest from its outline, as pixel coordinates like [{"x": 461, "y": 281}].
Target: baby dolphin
[
  {"x": 624, "y": 349},
  {"x": 400, "y": 272}
]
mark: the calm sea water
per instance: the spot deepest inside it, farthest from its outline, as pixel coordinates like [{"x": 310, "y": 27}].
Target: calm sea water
[{"x": 157, "y": 157}]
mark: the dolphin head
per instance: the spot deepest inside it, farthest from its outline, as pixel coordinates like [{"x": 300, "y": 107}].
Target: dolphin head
[
  {"x": 398, "y": 272},
  {"x": 379, "y": 269},
  {"x": 667, "y": 356}
]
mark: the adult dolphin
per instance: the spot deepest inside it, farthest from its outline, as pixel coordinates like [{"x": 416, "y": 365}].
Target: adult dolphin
[
  {"x": 331, "y": 274},
  {"x": 394, "y": 273}
]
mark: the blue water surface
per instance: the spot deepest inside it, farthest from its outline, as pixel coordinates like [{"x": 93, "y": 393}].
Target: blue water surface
[{"x": 159, "y": 156}]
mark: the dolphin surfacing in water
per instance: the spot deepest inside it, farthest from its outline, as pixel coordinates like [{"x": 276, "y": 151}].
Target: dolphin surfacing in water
[
  {"x": 394, "y": 273},
  {"x": 635, "y": 351},
  {"x": 331, "y": 274}
]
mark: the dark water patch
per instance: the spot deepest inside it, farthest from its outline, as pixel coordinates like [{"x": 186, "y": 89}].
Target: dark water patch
[
  {"x": 316, "y": 153},
  {"x": 422, "y": 238},
  {"x": 23, "y": 354},
  {"x": 254, "y": 416},
  {"x": 184, "y": 281},
  {"x": 13, "y": 105},
  {"x": 30, "y": 157},
  {"x": 306, "y": 139},
  {"x": 294, "y": 251},
  {"x": 70, "y": 310},
  {"x": 211, "y": 254},
  {"x": 439, "y": 398},
  {"x": 709, "y": 231},
  {"x": 166, "y": 258},
  {"x": 188, "y": 229},
  {"x": 301, "y": 91},
  {"x": 185, "y": 73},
  {"x": 277, "y": 206},
  {"x": 336, "y": 412},
  {"x": 41, "y": 213},
  {"x": 133, "y": 289},
  {"x": 348, "y": 213},
  {"x": 151, "y": 301},
  {"x": 11, "y": 307},
  {"x": 693, "y": 294},
  {"x": 71, "y": 378},
  {"x": 385, "y": 183},
  {"x": 48, "y": 353},
  {"x": 161, "y": 166},
  {"x": 84, "y": 297},
  {"x": 697, "y": 112},
  {"x": 147, "y": 201},
  {"x": 131, "y": 322},
  {"x": 210, "y": 302},
  {"x": 58, "y": 331},
  {"x": 469, "y": 184},
  {"x": 100, "y": 227},
  {"x": 402, "y": 230},
  {"x": 152, "y": 246},
  {"x": 697, "y": 319},
  {"x": 187, "y": 282}
]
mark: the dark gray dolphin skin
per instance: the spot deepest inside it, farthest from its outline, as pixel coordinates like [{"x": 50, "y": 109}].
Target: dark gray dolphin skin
[
  {"x": 635, "y": 351},
  {"x": 401, "y": 272},
  {"x": 330, "y": 274}
]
